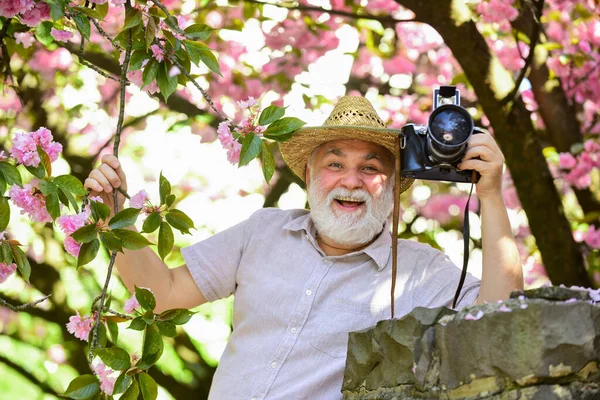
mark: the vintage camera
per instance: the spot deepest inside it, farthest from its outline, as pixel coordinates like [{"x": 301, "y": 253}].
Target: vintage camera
[{"x": 434, "y": 150}]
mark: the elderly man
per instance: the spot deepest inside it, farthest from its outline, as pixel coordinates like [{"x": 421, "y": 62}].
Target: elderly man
[{"x": 303, "y": 279}]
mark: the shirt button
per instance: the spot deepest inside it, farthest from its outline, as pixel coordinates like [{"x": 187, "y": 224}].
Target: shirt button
[
  {"x": 273, "y": 365},
  {"x": 308, "y": 292},
  {"x": 293, "y": 330}
]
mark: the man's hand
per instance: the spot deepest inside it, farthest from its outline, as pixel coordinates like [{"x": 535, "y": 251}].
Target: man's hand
[
  {"x": 484, "y": 156},
  {"x": 103, "y": 179}
]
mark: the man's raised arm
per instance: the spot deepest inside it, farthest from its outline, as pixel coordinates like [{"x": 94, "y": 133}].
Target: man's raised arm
[{"x": 173, "y": 288}]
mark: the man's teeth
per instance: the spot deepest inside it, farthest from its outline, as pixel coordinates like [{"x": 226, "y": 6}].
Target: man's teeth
[{"x": 350, "y": 199}]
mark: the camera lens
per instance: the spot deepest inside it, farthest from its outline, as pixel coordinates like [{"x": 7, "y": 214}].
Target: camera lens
[{"x": 450, "y": 127}]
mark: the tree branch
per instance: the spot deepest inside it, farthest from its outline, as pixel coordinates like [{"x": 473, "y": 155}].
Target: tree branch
[
  {"x": 386, "y": 20},
  {"x": 23, "y": 306}
]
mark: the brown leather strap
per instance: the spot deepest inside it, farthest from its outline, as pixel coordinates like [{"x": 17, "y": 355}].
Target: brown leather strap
[{"x": 395, "y": 220}]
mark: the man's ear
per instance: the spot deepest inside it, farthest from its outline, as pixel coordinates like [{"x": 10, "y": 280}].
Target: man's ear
[{"x": 307, "y": 175}]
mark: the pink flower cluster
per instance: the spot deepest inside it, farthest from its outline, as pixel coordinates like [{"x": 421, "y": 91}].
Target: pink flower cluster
[
  {"x": 441, "y": 207},
  {"x": 31, "y": 202},
  {"x": 131, "y": 305},
  {"x": 10, "y": 8},
  {"x": 578, "y": 169},
  {"x": 80, "y": 327},
  {"x": 157, "y": 52},
  {"x": 228, "y": 142},
  {"x": 6, "y": 270},
  {"x": 24, "y": 38},
  {"x": 61, "y": 36},
  {"x": 37, "y": 14},
  {"x": 107, "y": 382},
  {"x": 592, "y": 237},
  {"x": 139, "y": 199},
  {"x": 498, "y": 11},
  {"x": 24, "y": 148},
  {"x": 137, "y": 79},
  {"x": 69, "y": 224}
]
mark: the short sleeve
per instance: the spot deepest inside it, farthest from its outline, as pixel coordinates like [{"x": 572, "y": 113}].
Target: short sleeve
[
  {"x": 437, "y": 280},
  {"x": 214, "y": 262}
]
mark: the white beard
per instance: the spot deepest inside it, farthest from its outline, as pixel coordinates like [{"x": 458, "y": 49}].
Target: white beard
[{"x": 350, "y": 228}]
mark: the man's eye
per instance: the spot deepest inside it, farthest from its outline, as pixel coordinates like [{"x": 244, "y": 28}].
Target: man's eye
[
  {"x": 370, "y": 168},
  {"x": 335, "y": 165}
]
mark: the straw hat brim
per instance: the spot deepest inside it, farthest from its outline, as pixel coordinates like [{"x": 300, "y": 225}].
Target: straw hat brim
[{"x": 298, "y": 148}]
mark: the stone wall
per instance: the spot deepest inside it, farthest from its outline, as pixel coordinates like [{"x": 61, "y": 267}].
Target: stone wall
[{"x": 540, "y": 344}]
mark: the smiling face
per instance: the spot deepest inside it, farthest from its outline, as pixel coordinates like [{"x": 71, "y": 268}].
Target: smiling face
[{"x": 350, "y": 190}]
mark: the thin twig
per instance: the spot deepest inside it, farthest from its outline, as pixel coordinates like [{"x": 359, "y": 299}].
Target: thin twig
[
  {"x": 384, "y": 19},
  {"x": 83, "y": 61},
  {"x": 175, "y": 26},
  {"x": 23, "y": 306},
  {"x": 118, "y": 314},
  {"x": 103, "y": 33},
  {"x": 113, "y": 257}
]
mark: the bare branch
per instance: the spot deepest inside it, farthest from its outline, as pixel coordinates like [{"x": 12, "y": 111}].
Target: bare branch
[{"x": 23, "y": 306}]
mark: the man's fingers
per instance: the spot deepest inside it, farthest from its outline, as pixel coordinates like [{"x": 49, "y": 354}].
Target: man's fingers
[
  {"x": 482, "y": 152},
  {"x": 101, "y": 179},
  {"x": 111, "y": 160},
  {"x": 110, "y": 174},
  {"x": 93, "y": 184}
]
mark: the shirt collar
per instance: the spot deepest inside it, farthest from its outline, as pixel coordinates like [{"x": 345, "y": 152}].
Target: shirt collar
[{"x": 380, "y": 250}]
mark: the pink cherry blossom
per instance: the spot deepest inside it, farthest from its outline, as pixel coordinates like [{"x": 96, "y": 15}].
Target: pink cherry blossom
[
  {"x": 497, "y": 10},
  {"x": 566, "y": 161},
  {"x": 72, "y": 246},
  {"x": 31, "y": 202},
  {"x": 80, "y": 326},
  {"x": 157, "y": 52},
  {"x": 39, "y": 13},
  {"x": 107, "y": 382},
  {"x": 24, "y": 148},
  {"x": 131, "y": 305},
  {"x": 592, "y": 237},
  {"x": 10, "y": 8},
  {"x": 138, "y": 199},
  {"x": 233, "y": 154},
  {"x": 61, "y": 36},
  {"x": 228, "y": 142},
  {"x": 385, "y": 6},
  {"x": 6, "y": 270},
  {"x": 70, "y": 223},
  {"x": 251, "y": 102},
  {"x": 24, "y": 38},
  {"x": 136, "y": 78}
]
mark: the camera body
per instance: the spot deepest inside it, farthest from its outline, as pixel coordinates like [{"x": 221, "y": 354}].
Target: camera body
[{"x": 433, "y": 151}]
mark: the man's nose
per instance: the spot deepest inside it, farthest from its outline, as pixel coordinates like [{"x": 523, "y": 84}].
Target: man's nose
[{"x": 351, "y": 179}]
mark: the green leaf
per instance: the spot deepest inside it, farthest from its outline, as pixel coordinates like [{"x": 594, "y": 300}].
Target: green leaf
[
  {"x": 115, "y": 358},
  {"x": 4, "y": 213},
  {"x": 148, "y": 317},
  {"x": 90, "y": 12},
  {"x": 124, "y": 218},
  {"x": 284, "y": 126},
  {"x": 70, "y": 199},
  {"x": 53, "y": 205},
  {"x": 268, "y": 162},
  {"x": 42, "y": 33},
  {"x": 137, "y": 59},
  {"x": 6, "y": 251},
  {"x": 11, "y": 174},
  {"x": 2, "y": 185},
  {"x": 45, "y": 160},
  {"x": 70, "y": 184},
  {"x": 167, "y": 84},
  {"x": 102, "y": 10},
  {"x": 164, "y": 188},
  {"x": 100, "y": 211},
  {"x": 57, "y": 11},
  {"x": 165, "y": 240},
  {"x": 20, "y": 258},
  {"x": 38, "y": 172},
  {"x": 111, "y": 241},
  {"x": 150, "y": 32},
  {"x": 132, "y": 393},
  {"x": 148, "y": 386},
  {"x": 131, "y": 240},
  {"x": 200, "y": 52},
  {"x": 83, "y": 25},
  {"x": 88, "y": 252},
  {"x": 176, "y": 316},
  {"x": 133, "y": 18},
  {"x": 179, "y": 220},
  {"x": 152, "y": 348},
  {"x": 145, "y": 298},
  {"x": 137, "y": 324},
  {"x": 86, "y": 233},
  {"x": 122, "y": 383},
  {"x": 170, "y": 200},
  {"x": 166, "y": 328},
  {"x": 150, "y": 71},
  {"x": 47, "y": 187},
  {"x": 270, "y": 115},
  {"x": 113, "y": 329},
  {"x": 152, "y": 222},
  {"x": 198, "y": 32},
  {"x": 83, "y": 387},
  {"x": 251, "y": 147}
]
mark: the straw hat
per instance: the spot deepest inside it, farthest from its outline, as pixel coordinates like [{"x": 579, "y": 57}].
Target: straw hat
[{"x": 353, "y": 117}]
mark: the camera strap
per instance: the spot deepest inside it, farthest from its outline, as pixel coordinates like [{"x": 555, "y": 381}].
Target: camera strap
[{"x": 466, "y": 237}]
